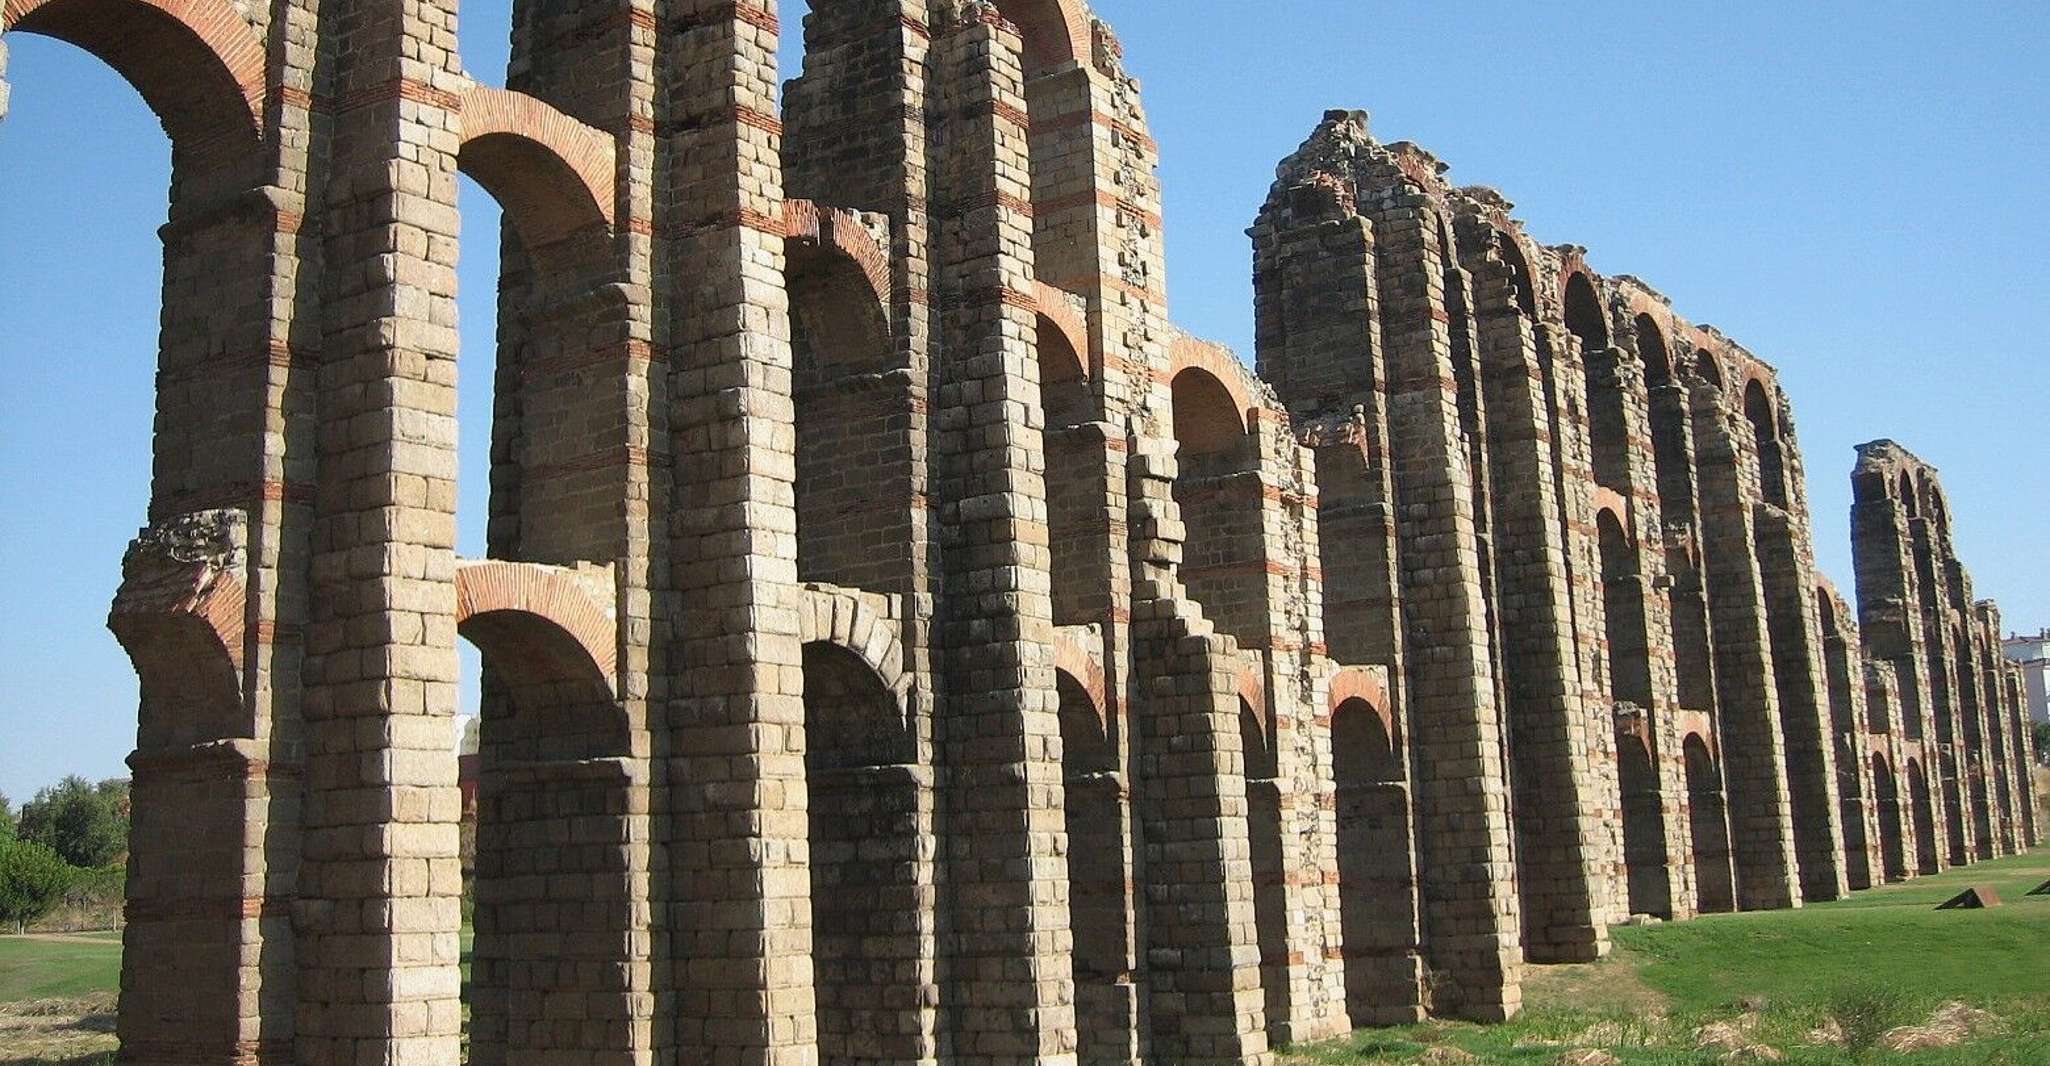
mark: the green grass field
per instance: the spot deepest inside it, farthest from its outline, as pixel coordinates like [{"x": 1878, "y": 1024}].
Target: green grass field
[
  {"x": 1882, "y": 959},
  {"x": 58, "y": 966}
]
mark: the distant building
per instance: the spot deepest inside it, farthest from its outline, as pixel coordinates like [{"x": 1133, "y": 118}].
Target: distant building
[{"x": 2033, "y": 653}]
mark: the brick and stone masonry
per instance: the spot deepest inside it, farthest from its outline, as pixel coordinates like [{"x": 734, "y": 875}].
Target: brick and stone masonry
[{"x": 901, "y": 643}]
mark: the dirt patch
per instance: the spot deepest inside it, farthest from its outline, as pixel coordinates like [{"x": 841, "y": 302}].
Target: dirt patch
[
  {"x": 57, "y": 1030},
  {"x": 1612, "y": 984}
]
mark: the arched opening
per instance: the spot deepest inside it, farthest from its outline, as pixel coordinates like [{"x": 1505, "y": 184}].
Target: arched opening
[
  {"x": 1630, "y": 689},
  {"x": 1955, "y": 794},
  {"x": 1217, "y": 487},
  {"x": 1078, "y": 473},
  {"x": 1708, "y": 825},
  {"x": 1644, "y": 827},
  {"x": 1975, "y": 741},
  {"x": 869, "y": 970},
  {"x": 1772, "y": 473},
  {"x": 1349, "y": 553},
  {"x": 1629, "y": 650},
  {"x": 1098, "y": 908},
  {"x": 1854, "y": 802},
  {"x": 1608, "y": 419},
  {"x": 1671, "y": 450},
  {"x": 1585, "y": 318},
  {"x": 1887, "y": 809},
  {"x": 1673, "y": 454},
  {"x": 99, "y": 277},
  {"x": 1054, "y": 33},
  {"x": 1064, "y": 387},
  {"x": 1558, "y": 407},
  {"x": 1708, "y": 369},
  {"x": 1923, "y": 813},
  {"x": 851, "y": 421},
  {"x": 1270, "y": 867},
  {"x": 1602, "y": 376},
  {"x": 557, "y": 858},
  {"x": 1376, "y": 868},
  {"x": 1519, "y": 273},
  {"x": 199, "y": 67}
]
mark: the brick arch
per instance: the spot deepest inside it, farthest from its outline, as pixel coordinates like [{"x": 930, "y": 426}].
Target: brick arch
[
  {"x": 1217, "y": 368},
  {"x": 491, "y": 593},
  {"x": 838, "y": 231},
  {"x": 182, "y": 626},
  {"x": 1254, "y": 693},
  {"x": 1354, "y": 683},
  {"x": 554, "y": 175},
  {"x": 198, "y": 63},
  {"x": 1072, "y": 659},
  {"x": 1574, "y": 272},
  {"x": 841, "y": 618},
  {"x": 1608, "y": 499},
  {"x": 1704, "y": 358},
  {"x": 1053, "y": 31},
  {"x": 1056, "y": 311},
  {"x": 1518, "y": 255},
  {"x": 1768, "y": 390},
  {"x": 1697, "y": 724}
]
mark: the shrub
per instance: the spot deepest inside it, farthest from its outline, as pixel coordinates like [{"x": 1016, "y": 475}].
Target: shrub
[
  {"x": 32, "y": 881},
  {"x": 1865, "y": 1012}
]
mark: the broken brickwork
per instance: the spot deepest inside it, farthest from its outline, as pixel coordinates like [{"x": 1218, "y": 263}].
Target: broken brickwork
[{"x": 901, "y": 643}]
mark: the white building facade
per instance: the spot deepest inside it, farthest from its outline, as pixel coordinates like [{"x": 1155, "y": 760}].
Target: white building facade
[{"x": 2033, "y": 653}]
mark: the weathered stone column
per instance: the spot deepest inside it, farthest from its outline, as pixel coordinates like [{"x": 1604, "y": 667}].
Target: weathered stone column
[
  {"x": 1555, "y": 810},
  {"x": 1791, "y": 612},
  {"x": 1848, "y": 736},
  {"x": 1468, "y": 875},
  {"x": 1748, "y": 718},
  {"x": 1006, "y": 951},
  {"x": 1316, "y": 309},
  {"x": 736, "y": 972},
  {"x": 380, "y": 890},
  {"x": 194, "y": 943}
]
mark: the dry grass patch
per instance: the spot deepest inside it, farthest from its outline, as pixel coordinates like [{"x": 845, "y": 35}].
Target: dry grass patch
[{"x": 57, "y": 1030}]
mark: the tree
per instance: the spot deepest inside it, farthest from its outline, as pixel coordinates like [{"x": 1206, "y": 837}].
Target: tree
[
  {"x": 84, "y": 823},
  {"x": 2043, "y": 743},
  {"x": 33, "y": 879},
  {"x": 6, "y": 818}
]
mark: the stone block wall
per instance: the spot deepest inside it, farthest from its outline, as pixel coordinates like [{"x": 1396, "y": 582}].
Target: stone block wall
[{"x": 901, "y": 643}]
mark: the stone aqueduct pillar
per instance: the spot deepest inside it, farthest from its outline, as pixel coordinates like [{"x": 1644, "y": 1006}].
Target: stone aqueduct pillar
[{"x": 859, "y": 521}]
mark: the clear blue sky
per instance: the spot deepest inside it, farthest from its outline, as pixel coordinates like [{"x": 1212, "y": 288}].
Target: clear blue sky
[{"x": 1851, "y": 190}]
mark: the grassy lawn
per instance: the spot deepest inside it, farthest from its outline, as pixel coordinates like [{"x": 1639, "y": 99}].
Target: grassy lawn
[
  {"x": 58, "y": 966},
  {"x": 57, "y": 998},
  {"x": 1790, "y": 981}
]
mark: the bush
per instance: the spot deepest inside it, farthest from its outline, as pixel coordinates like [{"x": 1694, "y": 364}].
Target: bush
[
  {"x": 1865, "y": 1012},
  {"x": 33, "y": 880}
]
